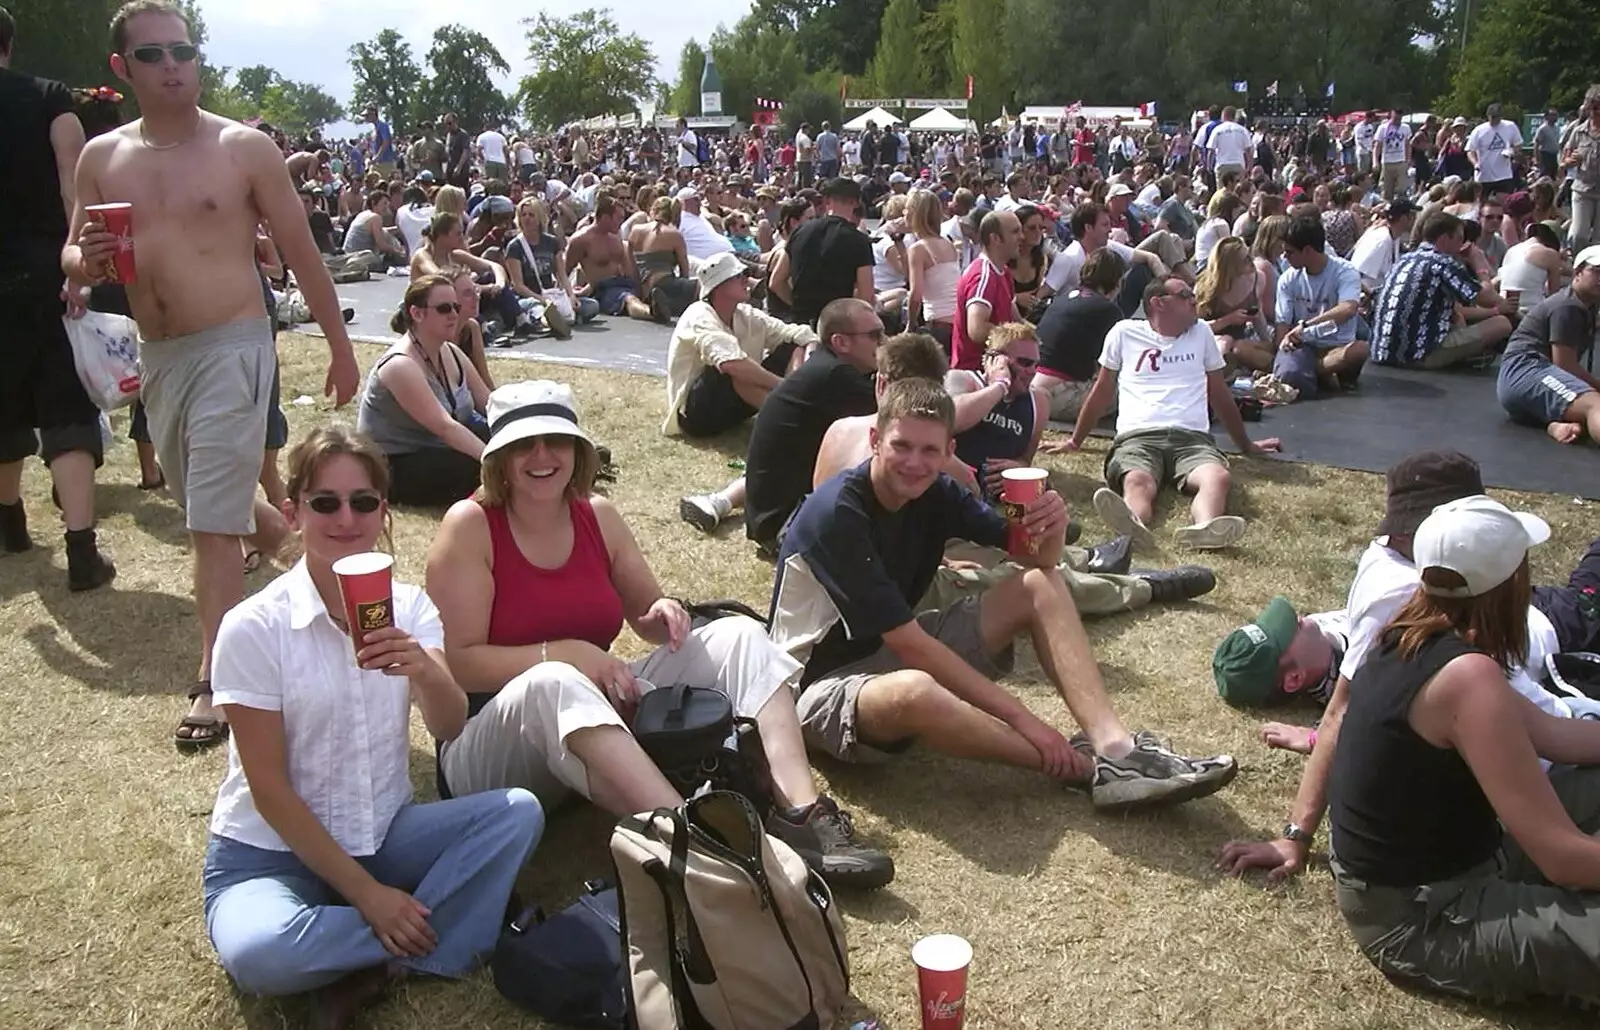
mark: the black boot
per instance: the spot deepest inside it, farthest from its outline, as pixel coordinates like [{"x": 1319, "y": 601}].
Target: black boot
[
  {"x": 1177, "y": 584},
  {"x": 14, "y": 528},
  {"x": 87, "y": 568},
  {"x": 1111, "y": 558},
  {"x": 1074, "y": 531}
]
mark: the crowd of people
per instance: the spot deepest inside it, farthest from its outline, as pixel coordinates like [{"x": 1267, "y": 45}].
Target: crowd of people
[{"x": 897, "y": 319}]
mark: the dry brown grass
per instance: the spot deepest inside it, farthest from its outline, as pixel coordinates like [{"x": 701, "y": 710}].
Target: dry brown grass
[{"x": 1076, "y": 919}]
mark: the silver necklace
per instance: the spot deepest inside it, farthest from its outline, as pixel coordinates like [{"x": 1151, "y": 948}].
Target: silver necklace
[{"x": 145, "y": 138}]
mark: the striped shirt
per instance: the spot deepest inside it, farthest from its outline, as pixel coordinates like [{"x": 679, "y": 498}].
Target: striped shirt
[{"x": 1416, "y": 305}]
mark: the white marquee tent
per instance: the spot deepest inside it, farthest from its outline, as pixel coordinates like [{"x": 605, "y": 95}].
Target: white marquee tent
[
  {"x": 940, "y": 120},
  {"x": 877, "y": 116}
]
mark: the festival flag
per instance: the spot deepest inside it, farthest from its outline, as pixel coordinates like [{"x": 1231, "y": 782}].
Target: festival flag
[
  {"x": 844, "y": 86},
  {"x": 1241, "y": 86},
  {"x": 1272, "y": 88},
  {"x": 969, "y": 87},
  {"x": 1147, "y": 110},
  {"x": 1330, "y": 89}
]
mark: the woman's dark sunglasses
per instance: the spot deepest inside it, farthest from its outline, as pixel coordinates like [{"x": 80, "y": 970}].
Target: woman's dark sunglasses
[
  {"x": 152, "y": 53},
  {"x": 363, "y": 503},
  {"x": 449, "y": 307}
]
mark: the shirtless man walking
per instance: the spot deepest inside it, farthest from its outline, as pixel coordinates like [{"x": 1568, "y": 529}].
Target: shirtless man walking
[
  {"x": 607, "y": 266},
  {"x": 199, "y": 185}
]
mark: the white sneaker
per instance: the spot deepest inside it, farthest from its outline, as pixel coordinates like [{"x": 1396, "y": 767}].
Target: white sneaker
[
  {"x": 1213, "y": 534},
  {"x": 1110, "y": 506}
]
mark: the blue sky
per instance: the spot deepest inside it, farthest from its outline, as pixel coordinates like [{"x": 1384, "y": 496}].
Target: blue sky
[{"x": 308, "y": 40}]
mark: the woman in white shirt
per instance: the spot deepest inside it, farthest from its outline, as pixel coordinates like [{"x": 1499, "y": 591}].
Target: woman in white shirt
[
  {"x": 321, "y": 874},
  {"x": 1220, "y": 213},
  {"x": 1532, "y": 268},
  {"x": 934, "y": 269}
]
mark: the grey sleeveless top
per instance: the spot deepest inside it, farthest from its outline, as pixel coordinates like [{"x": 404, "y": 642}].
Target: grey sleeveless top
[{"x": 391, "y": 427}]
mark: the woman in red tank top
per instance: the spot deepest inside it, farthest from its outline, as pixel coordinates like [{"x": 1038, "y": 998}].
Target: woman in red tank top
[{"x": 534, "y": 579}]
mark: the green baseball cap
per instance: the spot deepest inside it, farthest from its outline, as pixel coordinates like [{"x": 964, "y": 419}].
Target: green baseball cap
[{"x": 1246, "y": 662}]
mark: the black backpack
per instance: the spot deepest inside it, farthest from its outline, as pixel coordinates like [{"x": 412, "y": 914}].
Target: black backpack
[{"x": 568, "y": 968}]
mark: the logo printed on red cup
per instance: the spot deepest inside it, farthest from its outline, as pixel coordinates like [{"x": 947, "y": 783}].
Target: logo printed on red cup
[
  {"x": 1021, "y": 487},
  {"x": 366, "y": 582},
  {"x": 942, "y": 962},
  {"x": 118, "y": 220}
]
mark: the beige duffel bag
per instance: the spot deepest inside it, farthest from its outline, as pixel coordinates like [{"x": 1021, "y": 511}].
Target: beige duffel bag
[{"x": 724, "y": 927}]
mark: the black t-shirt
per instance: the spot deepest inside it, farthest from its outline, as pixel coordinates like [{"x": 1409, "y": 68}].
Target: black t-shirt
[
  {"x": 788, "y": 432},
  {"x": 874, "y": 564},
  {"x": 1072, "y": 334},
  {"x": 823, "y": 257},
  {"x": 1559, "y": 318},
  {"x": 36, "y": 225},
  {"x": 1403, "y": 812},
  {"x": 538, "y": 262},
  {"x": 322, "y": 231}
]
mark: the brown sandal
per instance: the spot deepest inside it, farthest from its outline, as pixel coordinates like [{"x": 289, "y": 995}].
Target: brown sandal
[{"x": 218, "y": 729}]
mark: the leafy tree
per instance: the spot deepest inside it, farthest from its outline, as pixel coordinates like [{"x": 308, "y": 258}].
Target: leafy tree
[
  {"x": 385, "y": 75},
  {"x": 685, "y": 98},
  {"x": 461, "y": 60},
  {"x": 981, "y": 50},
  {"x": 828, "y": 34},
  {"x": 583, "y": 66},
  {"x": 254, "y": 82},
  {"x": 299, "y": 107},
  {"x": 897, "y": 68},
  {"x": 809, "y": 104},
  {"x": 66, "y": 40},
  {"x": 754, "y": 60},
  {"x": 1528, "y": 54}
]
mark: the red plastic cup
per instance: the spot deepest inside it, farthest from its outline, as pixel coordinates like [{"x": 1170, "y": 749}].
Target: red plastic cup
[
  {"x": 118, "y": 219},
  {"x": 1020, "y": 488},
  {"x": 942, "y": 962},
  {"x": 366, "y": 582}
]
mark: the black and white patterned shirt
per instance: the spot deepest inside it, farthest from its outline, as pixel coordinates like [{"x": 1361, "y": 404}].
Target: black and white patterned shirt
[{"x": 1417, "y": 303}]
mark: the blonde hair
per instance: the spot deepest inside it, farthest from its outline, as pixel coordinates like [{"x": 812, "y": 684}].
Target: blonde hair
[
  {"x": 1271, "y": 230},
  {"x": 1229, "y": 261},
  {"x": 452, "y": 199},
  {"x": 894, "y": 207},
  {"x": 922, "y": 210},
  {"x": 540, "y": 212},
  {"x": 496, "y": 489},
  {"x": 1007, "y": 333}
]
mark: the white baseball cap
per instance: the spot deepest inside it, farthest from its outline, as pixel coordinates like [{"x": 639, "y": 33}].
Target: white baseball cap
[
  {"x": 1587, "y": 256},
  {"x": 1119, "y": 189},
  {"x": 521, "y": 411},
  {"x": 718, "y": 270},
  {"x": 1477, "y": 538},
  {"x": 687, "y": 193},
  {"x": 899, "y": 177}
]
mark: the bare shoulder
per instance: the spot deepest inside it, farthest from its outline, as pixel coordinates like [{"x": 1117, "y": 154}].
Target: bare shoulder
[
  {"x": 464, "y": 529},
  {"x": 1462, "y": 681}
]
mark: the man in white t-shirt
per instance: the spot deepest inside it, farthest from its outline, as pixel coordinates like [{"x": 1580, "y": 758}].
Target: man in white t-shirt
[
  {"x": 1365, "y": 135},
  {"x": 1091, "y": 230},
  {"x": 688, "y": 146},
  {"x": 1230, "y": 147},
  {"x": 1166, "y": 376},
  {"x": 805, "y": 156},
  {"x": 491, "y": 147},
  {"x": 1492, "y": 148},
  {"x": 961, "y": 229},
  {"x": 1393, "y": 144},
  {"x": 700, "y": 238},
  {"x": 1380, "y": 246}
]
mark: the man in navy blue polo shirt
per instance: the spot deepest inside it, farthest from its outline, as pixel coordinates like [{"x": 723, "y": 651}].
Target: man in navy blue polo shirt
[{"x": 860, "y": 552}]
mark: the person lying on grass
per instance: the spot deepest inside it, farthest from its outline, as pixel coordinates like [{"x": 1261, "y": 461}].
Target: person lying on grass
[
  {"x": 865, "y": 547},
  {"x": 1479, "y": 876},
  {"x": 535, "y": 578},
  {"x": 1279, "y": 652},
  {"x": 321, "y": 874}
]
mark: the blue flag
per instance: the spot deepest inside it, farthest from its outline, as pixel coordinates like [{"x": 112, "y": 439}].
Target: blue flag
[
  {"x": 1241, "y": 87},
  {"x": 1330, "y": 89}
]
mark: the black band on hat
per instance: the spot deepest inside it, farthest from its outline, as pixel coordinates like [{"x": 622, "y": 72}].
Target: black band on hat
[{"x": 533, "y": 411}]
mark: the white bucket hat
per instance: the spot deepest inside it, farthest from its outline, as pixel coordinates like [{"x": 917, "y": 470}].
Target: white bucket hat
[{"x": 521, "y": 411}]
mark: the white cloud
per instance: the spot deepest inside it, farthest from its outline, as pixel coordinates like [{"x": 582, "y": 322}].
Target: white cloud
[{"x": 309, "y": 40}]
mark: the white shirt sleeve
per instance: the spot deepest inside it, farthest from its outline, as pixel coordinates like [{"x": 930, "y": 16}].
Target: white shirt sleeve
[
  {"x": 1213, "y": 353},
  {"x": 244, "y": 661},
  {"x": 416, "y": 614},
  {"x": 1111, "y": 352},
  {"x": 1122, "y": 250}
]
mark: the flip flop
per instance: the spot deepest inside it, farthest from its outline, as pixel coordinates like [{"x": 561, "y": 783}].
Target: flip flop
[
  {"x": 252, "y": 560},
  {"x": 218, "y": 726},
  {"x": 159, "y": 484}
]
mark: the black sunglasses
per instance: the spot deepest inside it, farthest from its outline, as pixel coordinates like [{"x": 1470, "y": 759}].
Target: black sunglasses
[
  {"x": 152, "y": 53},
  {"x": 448, "y": 307},
  {"x": 362, "y": 502}
]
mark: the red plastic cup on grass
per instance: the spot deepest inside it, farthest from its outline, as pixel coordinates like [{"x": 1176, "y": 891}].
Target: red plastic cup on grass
[
  {"x": 942, "y": 962},
  {"x": 118, "y": 220},
  {"x": 1021, "y": 487},
  {"x": 366, "y": 582}
]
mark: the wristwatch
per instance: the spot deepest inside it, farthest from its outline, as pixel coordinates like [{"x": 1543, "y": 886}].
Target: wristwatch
[{"x": 1298, "y": 834}]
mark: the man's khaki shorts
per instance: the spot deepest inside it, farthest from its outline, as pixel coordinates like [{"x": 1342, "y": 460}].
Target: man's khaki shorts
[
  {"x": 1168, "y": 454},
  {"x": 827, "y": 706}
]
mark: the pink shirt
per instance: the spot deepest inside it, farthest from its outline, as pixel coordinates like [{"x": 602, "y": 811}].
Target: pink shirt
[{"x": 985, "y": 283}]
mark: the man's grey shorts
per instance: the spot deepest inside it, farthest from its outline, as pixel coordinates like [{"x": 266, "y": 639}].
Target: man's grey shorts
[
  {"x": 1535, "y": 391},
  {"x": 207, "y": 395},
  {"x": 827, "y": 706}
]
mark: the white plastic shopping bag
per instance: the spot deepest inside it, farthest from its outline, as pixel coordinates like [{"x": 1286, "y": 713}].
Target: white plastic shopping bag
[{"x": 105, "y": 350}]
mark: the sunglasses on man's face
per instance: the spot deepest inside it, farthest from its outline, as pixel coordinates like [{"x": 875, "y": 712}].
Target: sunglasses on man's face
[
  {"x": 152, "y": 53},
  {"x": 362, "y": 502}
]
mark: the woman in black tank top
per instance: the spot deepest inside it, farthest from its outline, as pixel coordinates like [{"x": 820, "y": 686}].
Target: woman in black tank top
[{"x": 1460, "y": 864}]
